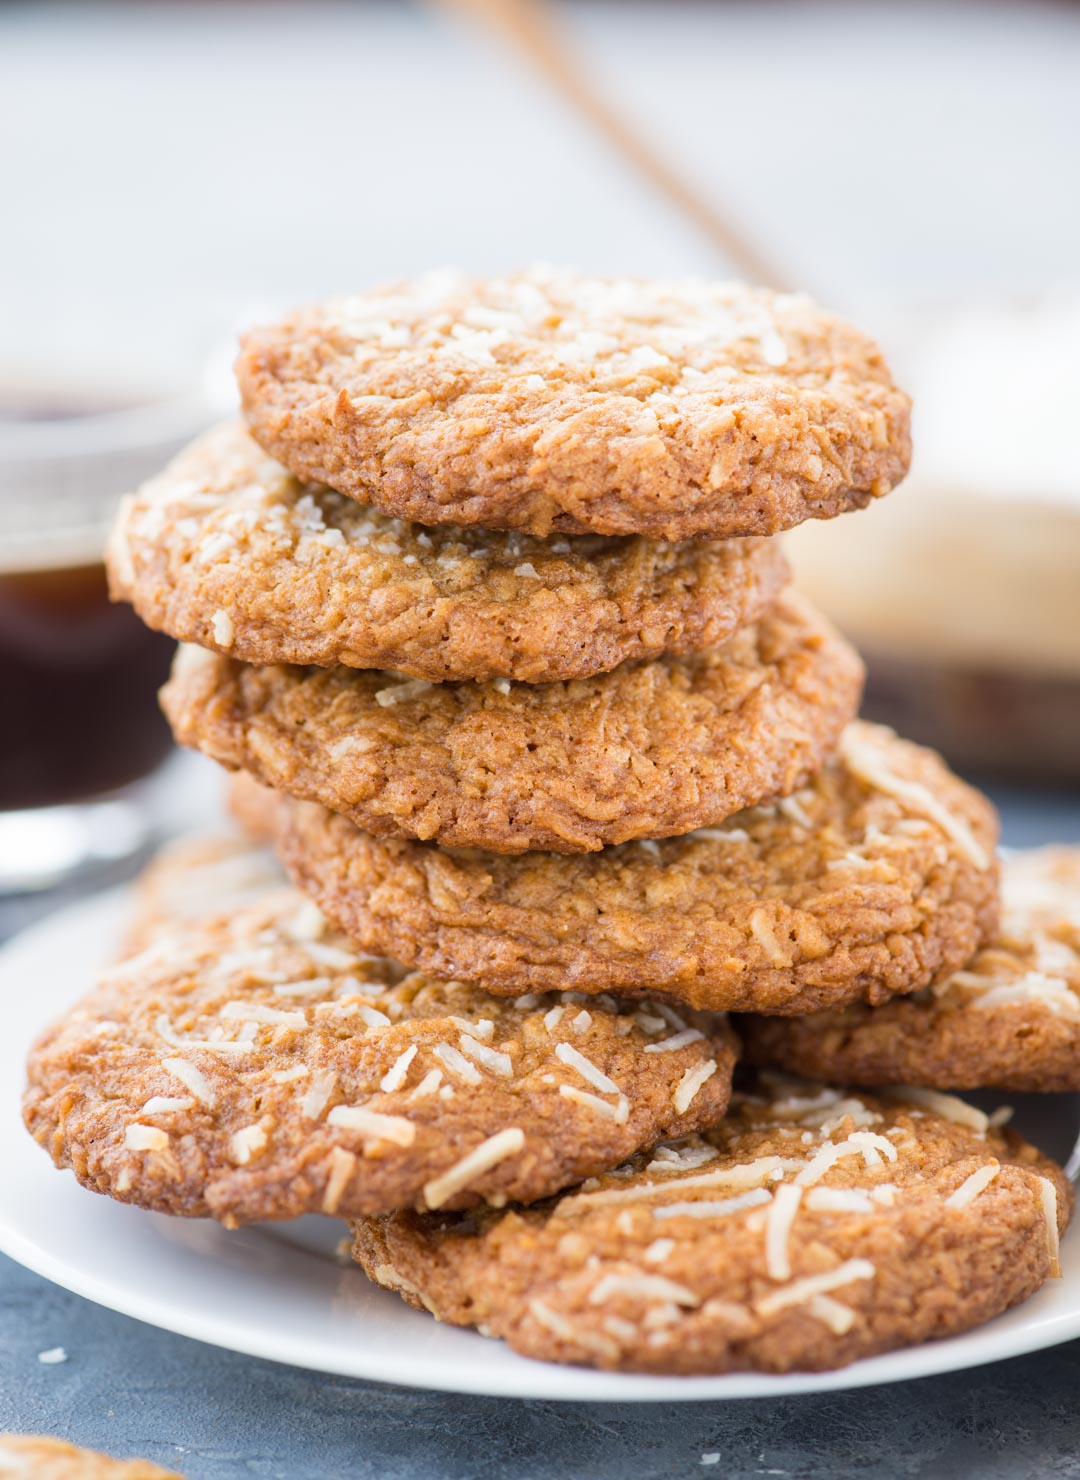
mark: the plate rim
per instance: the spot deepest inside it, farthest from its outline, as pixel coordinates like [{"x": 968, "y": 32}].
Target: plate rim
[{"x": 99, "y": 919}]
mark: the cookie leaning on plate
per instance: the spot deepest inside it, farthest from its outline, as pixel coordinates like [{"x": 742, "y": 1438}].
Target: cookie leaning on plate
[
  {"x": 805, "y": 1231},
  {"x": 1009, "y": 1020},
  {"x": 254, "y": 1066},
  {"x": 34, "y": 1457},
  {"x": 875, "y": 879},
  {"x": 550, "y": 401},
  {"x": 651, "y": 750},
  {"x": 227, "y": 550}
]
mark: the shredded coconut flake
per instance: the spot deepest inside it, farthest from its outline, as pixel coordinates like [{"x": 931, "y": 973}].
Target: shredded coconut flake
[
  {"x": 641, "y": 1286},
  {"x": 370, "y": 1123},
  {"x": 714, "y": 1209},
  {"x": 677, "y": 1041},
  {"x": 454, "y": 1060},
  {"x": 949, "y": 1107},
  {"x": 318, "y": 1096},
  {"x": 342, "y": 1166},
  {"x": 1048, "y": 1194},
  {"x": 863, "y": 761},
  {"x": 619, "y": 1112},
  {"x": 223, "y": 628},
  {"x": 658, "y": 1250},
  {"x": 971, "y": 1186},
  {"x": 145, "y": 1138},
  {"x": 246, "y": 1143},
  {"x": 801, "y": 1291},
  {"x": 778, "y": 1221},
  {"x": 191, "y": 1078},
  {"x": 488, "y": 1058},
  {"x": 166, "y": 1105},
  {"x": 480, "y": 1160},
  {"x": 394, "y": 1077},
  {"x": 586, "y": 1068},
  {"x": 692, "y": 1081},
  {"x": 839, "y": 1318}
]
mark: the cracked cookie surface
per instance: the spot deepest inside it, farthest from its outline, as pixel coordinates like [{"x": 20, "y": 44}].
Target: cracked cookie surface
[{"x": 548, "y": 401}]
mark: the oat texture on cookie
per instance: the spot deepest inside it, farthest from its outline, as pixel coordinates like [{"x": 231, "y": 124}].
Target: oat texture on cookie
[
  {"x": 811, "y": 1227},
  {"x": 875, "y": 879},
  {"x": 1009, "y": 1019},
  {"x": 254, "y": 1065},
  {"x": 651, "y": 750},
  {"x": 226, "y": 549},
  {"x": 482, "y": 604},
  {"x": 550, "y": 401},
  {"x": 37, "y": 1457}
]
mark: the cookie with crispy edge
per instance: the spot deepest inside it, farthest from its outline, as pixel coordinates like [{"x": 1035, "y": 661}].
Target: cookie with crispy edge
[
  {"x": 225, "y": 549},
  {"x": 37, "y": 1457},
  {"x": 805, "y": 1231},
  {"x": 195, "y": 877},
  {"x": 254, "y": 1066},
  {"x": 876, "y": 879},
  {"x": 1009, "y": 1020},
  {"x": 651, "y": 750},
  {"x": 551, "y": 401}
]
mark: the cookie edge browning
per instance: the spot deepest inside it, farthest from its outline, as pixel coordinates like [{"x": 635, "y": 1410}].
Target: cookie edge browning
[
  {"x": 602, "y": 473},
  {"x": 368, "y": 885},
  {"x": 86, "y": 1132},
  {"x": 400, "y": 1251},
  {"x": 775, "y": 739},
  {"x": 460, "y": 638}
]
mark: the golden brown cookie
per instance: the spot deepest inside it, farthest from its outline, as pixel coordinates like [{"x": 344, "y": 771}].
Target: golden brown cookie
[
  {"x": 876, "y": 879},
  {"x": 227, "y": 550},
  {"x": 254, "y": 1066},
  {"x": 34, "y": 1457},
  {"x": 1010, "y": 1019},
  {"x": 195, "y": 877},
  {"x": 550, "y": 401},
  {"x": 651, "y": 750},
  {"x": 805, "y": 1231}
]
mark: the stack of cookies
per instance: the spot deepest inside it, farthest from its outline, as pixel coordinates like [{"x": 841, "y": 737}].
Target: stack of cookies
[{"x": 484, "y": 604}]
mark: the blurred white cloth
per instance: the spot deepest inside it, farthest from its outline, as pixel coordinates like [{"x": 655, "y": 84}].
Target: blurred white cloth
[{"x": 169, "y": 171}]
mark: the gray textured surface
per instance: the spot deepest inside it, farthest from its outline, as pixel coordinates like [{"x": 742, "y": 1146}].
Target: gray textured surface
[{"x": 218, "y": 1416}]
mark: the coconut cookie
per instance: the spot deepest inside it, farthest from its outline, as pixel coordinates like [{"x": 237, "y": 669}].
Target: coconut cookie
[
  {"x": 1010, "y": 1019},
  {"x": 550, "y": 401},
  {"x": 255, "y": 1066},
  {"x": 33, "y": 1457},
  {"x": 876, "y": 879},
  {"x": 195, "y": 877},
  {"x": 650, "y": 750},
  {"x": 227, "y": 550},
  {"x": 805, "y": 1231}
]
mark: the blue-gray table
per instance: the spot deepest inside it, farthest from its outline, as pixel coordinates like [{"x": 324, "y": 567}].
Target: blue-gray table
[{"x": 214, "y": 1415}]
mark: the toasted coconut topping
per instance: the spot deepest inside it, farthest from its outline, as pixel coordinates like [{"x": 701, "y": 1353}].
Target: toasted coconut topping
[
  {"x": 371, "y": 1124},
  {"x": 971, "y": 1186},
  {"x": 480, "y": 1160},
  {"x": 800, "y": 1291}
]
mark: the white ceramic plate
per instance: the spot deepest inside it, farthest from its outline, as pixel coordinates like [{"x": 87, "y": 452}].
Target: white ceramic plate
[{"x": 278, "y": 1291}]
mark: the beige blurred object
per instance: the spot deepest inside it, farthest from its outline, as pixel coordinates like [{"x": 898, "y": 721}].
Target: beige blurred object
[
  {"x": 529, "y": 27},
  {"x": 964, "y": 591}
]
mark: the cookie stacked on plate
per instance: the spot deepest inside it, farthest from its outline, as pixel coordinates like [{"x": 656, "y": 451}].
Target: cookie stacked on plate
[{"x": 486, "y": 592}]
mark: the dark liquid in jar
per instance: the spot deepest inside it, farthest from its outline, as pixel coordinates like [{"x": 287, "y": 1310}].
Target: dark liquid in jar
[{"x": 78, "y": 689}]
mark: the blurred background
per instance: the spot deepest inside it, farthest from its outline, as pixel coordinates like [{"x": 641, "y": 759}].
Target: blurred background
[{"x": 170, "y": 172}]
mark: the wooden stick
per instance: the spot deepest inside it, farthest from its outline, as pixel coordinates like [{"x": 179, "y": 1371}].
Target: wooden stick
[{"x": 528, "y": 26}]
